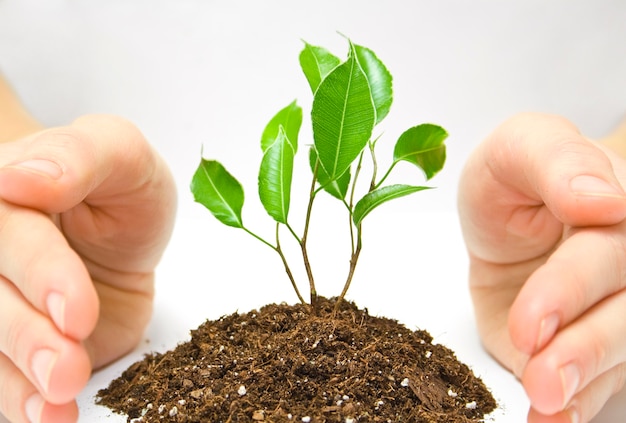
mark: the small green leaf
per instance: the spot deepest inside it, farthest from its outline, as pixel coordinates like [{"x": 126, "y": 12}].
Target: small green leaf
[
  {"x": 338, "y": 188},
  {"x": 379, "y": 78},
  {"x": 275, "y": 177},
  {"x": 217, "y": 190},
  {"x": 343, "y": 117},
  {"x": 379, "y": 196},
  {"x": 316, "y": 63},
  {"x": 290, "y": 118},
  {"x": 423, "y": 145}
]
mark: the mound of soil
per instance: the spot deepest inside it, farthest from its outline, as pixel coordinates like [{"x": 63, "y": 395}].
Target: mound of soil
[{"x": 283, "y": 363}]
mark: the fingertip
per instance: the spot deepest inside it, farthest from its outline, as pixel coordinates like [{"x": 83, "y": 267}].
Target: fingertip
[
  {"x": 534, "y": 317},
  {"x": 69, "y": 375},
  {"x": 75, "y": 314},
  {"x": 596, "y": 200},
  {"x": 38, "y": 410},
  {"x": 545, "y": 384},
  {"x": 563, "y": 417},
  {"x": 65, "y": 292},
  {"x": 36, "y": 183}
]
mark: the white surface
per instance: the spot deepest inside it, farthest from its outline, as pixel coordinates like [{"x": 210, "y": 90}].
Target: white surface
[{"x": 198, "y": 72}]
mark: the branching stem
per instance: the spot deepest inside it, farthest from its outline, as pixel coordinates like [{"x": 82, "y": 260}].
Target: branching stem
[{"x": 282, "y": 257}]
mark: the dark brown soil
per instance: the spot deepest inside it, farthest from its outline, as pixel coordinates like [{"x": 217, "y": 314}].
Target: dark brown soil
[{"x": 284, "y": 364}]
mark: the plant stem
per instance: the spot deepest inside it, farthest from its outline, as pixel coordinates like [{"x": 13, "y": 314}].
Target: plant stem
[
  {"x": 282, "y": 257},
  {"x": 374, "y": 166},
  {"x": 357, "y": 171},
  {"x": 385, "y": 176},
  {"x": 353, "y": 261},
  {"x": 287, "y": 269},
  {"x": 303, "y": 247}
]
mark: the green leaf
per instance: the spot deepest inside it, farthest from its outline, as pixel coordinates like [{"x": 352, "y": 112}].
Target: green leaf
[
  {"x": 316, "y": 63},
  {"x": 423, "y": 145},
  {"x": 338, "y": 188},
  {"x": 343, "y": 117},
  {"x": 290, "y": 118},
  {"x": 275, "y": 177},
  {"x": 217, "y": 190},
  {"x": 379, "y": 78},
  {"x": 375, "y": 198}
]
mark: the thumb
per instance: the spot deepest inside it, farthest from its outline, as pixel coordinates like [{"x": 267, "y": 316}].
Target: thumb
[
  {"x": 532, "y": 175},
  {"x": 548, "y": 161},
  {"x": 56, "y": 169}
]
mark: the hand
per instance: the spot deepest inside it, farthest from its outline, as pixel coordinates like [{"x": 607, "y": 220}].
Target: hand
[
  {"x": 85, "y": 214},
  {"x": 542, "y": 211}
]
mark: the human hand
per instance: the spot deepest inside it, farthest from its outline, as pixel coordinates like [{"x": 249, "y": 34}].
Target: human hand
[
  {"x": 85, "y": 214},
  {"x": 542, "y": 211}
]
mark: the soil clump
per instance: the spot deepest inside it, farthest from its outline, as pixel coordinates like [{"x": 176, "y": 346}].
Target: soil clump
[{"x": 283, "y": 363}]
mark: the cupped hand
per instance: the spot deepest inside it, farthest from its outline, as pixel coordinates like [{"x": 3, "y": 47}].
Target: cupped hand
[
  {"x": 85, "y": 214},
  {"x": 542, "y": 211}
]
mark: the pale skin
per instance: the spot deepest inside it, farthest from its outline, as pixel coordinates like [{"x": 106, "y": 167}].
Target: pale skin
[
  {"x": 542, "y": 210},
  {"x": 86, "y": 211}
]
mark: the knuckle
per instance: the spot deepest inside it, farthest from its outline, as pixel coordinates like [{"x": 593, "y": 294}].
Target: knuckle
[{"x": 131, "y": 146}]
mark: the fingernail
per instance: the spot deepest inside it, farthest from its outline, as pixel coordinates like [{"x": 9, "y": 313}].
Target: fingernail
[
  {"x": 42, "y": 166},
  {"x": 570, "y": 378},
  {"x": 547, "y": 329},
  {"x": 594, "y": 186},
  {"x": 42, "y": 364},
  {"x": 56, "y": 308},
  {"x": 34, "y": 407}
]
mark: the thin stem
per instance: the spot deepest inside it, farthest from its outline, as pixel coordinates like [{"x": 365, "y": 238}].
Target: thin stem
[
  {"x": 357, "y": 172},
  {"x": 273, "y": 247},
  {"x": 353, "y": 261},
  {"x": 303, "y": 240},
  {"x": 287, "y": 269},
  {"x": 282, "y": 257},
  {"x": 374, "y": 165},
  {"x": 293, "y": 233},
  {"x": 385, "y": 176}
]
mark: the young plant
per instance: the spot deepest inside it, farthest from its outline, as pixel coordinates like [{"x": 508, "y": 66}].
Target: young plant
[{"x": 350, "y": 99}]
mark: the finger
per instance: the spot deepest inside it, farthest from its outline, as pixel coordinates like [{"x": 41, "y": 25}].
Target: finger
[
  {"x": 116, "y": 195},
  {"x": 56, "y": 169},
  {"x": 58, "y": 367},
  {"x": 493, "y": 288},
  {"x": 586, "y": 268},
  {"x": 46, "y": 271},
  {"x": 577, "y": 355},
  {"x": 531, "y": 176},
  {"x": 21, "y": 403},
  {"x": 589, "y": 402}
]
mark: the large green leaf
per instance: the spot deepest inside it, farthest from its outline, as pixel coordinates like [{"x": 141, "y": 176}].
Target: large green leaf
[
  {"x": 379, "y": 196},
  {"x": 290, "y": 118},
  {"x": 316, "y": 62},
  {"x": 343, "y": 117},
  {"x": 275, "y": 177},
  {"x": 217, "y": 190},
  {"x": 338, "y": 188},
  {"x": 379, "y": 78},
  {"x": 423, "y": 145}
]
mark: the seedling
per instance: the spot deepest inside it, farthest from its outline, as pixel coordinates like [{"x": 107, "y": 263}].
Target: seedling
[{"x": 350, "y": 99}]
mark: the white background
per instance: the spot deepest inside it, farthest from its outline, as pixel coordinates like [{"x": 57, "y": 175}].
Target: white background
[{"x": 195, "y": 73}]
